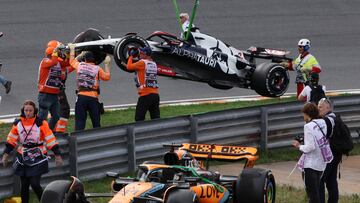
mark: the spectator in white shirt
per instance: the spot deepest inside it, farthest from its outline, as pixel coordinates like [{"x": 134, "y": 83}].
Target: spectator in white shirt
[
  {"x": 316, "y": 151},
  {"x": 313, "y": 92}
]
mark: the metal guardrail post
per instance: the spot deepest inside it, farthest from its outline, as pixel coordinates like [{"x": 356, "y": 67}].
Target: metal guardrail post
[
  {"x": 264, "y": 129},
  {"x": 73, "y": 155},
  {"x": 193, "y": 129},
  {"x": 131, "y": 148}
]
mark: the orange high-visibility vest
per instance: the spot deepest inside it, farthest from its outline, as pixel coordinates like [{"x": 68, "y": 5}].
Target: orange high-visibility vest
[{"x": 25, "y": 131}]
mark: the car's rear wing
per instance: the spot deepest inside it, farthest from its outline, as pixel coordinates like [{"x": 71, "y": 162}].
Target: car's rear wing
[
  {"x": 222, "y": 152},
  {"x": 266, "y": 53}
]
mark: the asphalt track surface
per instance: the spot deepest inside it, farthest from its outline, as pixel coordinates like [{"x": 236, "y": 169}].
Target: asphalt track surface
[{"x": 333, "y": 26}]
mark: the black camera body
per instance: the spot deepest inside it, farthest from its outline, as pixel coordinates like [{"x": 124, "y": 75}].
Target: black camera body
[{"x": 300, "y": 138}]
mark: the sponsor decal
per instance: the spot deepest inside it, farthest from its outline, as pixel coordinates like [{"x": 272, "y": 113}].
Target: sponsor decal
[
  {"x": 209, "y": 191},
  {"x": 194, "y": 56},
  {"x": 233, "y": 150}
]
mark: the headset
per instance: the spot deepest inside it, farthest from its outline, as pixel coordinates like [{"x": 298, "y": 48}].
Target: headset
[
  {"x": 31, "y": 103},
  {"x": 306, "y": 48}
]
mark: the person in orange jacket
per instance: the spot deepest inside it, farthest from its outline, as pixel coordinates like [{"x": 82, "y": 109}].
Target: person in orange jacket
[
  {"x": 49, "y": 85},
  {"x": 62, "y": 123},
  {"x": 88, "y": 76},
  {"x": 146, "y": 83},
  {"x": 32, "y": 138}
]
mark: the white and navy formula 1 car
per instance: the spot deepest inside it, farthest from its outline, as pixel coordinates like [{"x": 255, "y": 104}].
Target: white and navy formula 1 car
[{"x": 201, "y": 58}]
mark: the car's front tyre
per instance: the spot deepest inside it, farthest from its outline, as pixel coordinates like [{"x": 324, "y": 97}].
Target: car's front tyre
[
  {"x": 121, "y": 49},
  {"x": 56, "y": 192},
  {"x": 255, "y": 185}
]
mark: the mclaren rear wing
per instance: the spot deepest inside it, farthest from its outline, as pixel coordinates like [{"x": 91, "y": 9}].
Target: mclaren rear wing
[{"x": 222, "y": 152}]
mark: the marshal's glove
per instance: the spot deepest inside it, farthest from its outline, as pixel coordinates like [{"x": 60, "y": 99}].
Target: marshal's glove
[
  {"x": 107, "y": 59},
  {"x": 285, "y": 64},
  {"x": 133, "y": 52}
]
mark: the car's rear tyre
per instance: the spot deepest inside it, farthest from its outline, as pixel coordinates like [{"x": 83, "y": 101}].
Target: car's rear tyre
[
  {"x": 270, "y": 80},
  {"x": 181, "y": 196},
  {"x": 56, "y": 192},
  {"x": 92, "y": 35},
  {"x": 121, "y": 49},
  {"x": 255, "y": 185}
]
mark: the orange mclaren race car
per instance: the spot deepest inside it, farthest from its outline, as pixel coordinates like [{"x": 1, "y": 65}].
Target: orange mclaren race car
[{"x": 182, "y": 178}]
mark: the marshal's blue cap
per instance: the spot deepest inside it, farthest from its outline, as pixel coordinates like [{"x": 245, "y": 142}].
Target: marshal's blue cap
[{"x": 146, "y": 50}]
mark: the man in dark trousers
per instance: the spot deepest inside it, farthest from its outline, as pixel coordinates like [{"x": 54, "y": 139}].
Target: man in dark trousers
[
  {"x": 329, "y": 177},
  {"x": 146, "y": 83},
  {"x": 88, "y": 77},
  {"x": 49, "y": 84},
  {"x": 62, "y": 123}
]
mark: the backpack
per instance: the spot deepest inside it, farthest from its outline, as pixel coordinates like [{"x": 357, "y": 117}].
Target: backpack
[
  {"x": 340, "y": 141},
  {"x": 316, "y": 93}
]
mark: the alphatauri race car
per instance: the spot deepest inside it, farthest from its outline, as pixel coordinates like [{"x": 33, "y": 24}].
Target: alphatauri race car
[
  {"x": 200, "y": 58},
  {"x": 182, "y": 177}
]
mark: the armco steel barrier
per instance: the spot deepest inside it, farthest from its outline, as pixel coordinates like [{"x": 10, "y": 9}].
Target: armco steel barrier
[{"x": 91, "y": 153}]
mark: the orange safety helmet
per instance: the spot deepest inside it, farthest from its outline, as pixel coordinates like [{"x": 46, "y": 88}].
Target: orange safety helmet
[
  {"x": 49, "y": 50},
  {"x": 53, "y": 43}
]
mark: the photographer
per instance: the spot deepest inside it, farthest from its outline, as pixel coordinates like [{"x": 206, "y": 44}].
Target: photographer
[{"x": 316, "y": 151}]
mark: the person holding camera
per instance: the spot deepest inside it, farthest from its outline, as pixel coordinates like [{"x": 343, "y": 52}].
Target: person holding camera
[
  {"x": 88, "y": 77},
  {"x": 146, "y": 83},
  {"x": 32, "y": 138},
  {"x": 316, "y": 151},
  {"x": 49, "y": 84}
]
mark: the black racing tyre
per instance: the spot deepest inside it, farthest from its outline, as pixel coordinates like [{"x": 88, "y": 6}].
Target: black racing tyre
[
  {"x": 270, "y": 80},
  {"x": 56, "y": 192},
  {"x": 92, "y": 35},
  {"x": 121, "y": 49},
  {"x": 181, "y": 196},
  {"x": 255, "y": 185},
  {"x": 221, "y": 87}
]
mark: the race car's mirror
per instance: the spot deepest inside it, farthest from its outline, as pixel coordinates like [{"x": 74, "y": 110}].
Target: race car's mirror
[
  {"x": 112, "y": 174},
  {"x": 1, "y": 34}
]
